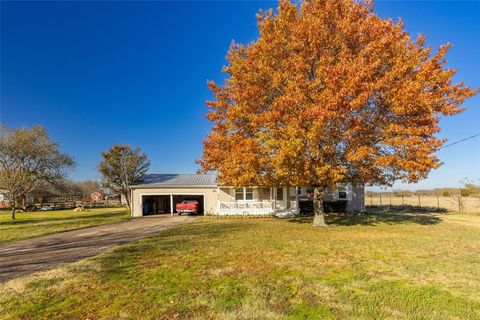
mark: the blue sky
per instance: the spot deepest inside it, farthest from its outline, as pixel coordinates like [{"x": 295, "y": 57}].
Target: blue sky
[{"x": 99, "y": 73}]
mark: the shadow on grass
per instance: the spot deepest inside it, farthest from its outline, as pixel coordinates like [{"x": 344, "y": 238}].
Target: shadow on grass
[{"x": 381, "y": 215}]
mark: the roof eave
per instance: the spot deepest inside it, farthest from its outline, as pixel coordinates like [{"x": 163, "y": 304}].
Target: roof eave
[{"x": 146, "y": 186}]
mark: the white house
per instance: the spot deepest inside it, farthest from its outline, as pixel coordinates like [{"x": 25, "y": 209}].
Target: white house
[{"x": 159, "y": 194}]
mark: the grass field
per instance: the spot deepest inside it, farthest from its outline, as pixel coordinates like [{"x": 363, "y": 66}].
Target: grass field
[
  {"x": 34, "y": 224},
  {"x": 450, "y": 203},
  {"x": 386, "y": 265}
]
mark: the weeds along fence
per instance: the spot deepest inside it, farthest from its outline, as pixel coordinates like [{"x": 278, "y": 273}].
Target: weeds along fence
[{"x": 454, "y": 202}]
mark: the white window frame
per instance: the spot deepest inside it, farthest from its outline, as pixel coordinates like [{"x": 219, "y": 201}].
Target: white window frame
[
  {"x": 342, "y": 187},
  {"x": 244, "y": 194}
]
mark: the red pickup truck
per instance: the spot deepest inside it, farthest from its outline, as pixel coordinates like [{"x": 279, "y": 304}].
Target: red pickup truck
[{"x": 187, "y": 206}]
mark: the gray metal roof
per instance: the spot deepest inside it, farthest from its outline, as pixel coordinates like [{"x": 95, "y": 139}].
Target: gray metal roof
[{"x": 178, "y": 180}]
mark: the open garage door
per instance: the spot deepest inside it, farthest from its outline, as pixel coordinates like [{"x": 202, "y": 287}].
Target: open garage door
[
  {"x": 177, "y": 198},
  {"x": 155, "y": 204}
]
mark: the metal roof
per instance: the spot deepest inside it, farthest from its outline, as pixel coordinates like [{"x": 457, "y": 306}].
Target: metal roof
[{"x": 177, "y": 180}]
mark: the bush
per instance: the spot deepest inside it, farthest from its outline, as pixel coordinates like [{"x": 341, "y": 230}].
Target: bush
[
  {"x": 464, "y": 192},
  {"x": 306, "y": 207},
  {"x": 335, "y": 206},
  {"x": 446, "y": 193}
]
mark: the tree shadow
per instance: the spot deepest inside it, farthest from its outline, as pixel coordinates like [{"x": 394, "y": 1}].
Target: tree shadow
[{"x": 381, "y": 215}]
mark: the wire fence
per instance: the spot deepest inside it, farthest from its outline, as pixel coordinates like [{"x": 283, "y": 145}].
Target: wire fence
[
  {"x": 454, "y": 202},
  {"x": 60, "y": 205}
]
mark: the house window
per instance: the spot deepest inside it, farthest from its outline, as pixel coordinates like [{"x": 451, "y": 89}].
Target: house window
[
  {"x": 243, "y": 194},
  {"x": 279, "y": 194},
  {"x": 342, "y": 192},
  {"x": 299, "y": 191},
  {"x": 239, "y": 194},
  {"x": 248, "y": 194}
]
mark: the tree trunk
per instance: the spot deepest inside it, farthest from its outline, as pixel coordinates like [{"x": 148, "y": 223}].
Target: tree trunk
[
  {"x": 127, "y": 199},
  {"x": 319, "y": 218},
  {"x": 14, "y": 199}
]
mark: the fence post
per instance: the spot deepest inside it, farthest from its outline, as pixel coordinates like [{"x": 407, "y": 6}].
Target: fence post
[
  {"x": 438, "y": 202},
  {"x": 371, "y": 200},
  {"x": 390, "y": 199},
  {"x": 459, "y": 204},
  {"x": 419, "y": 204},
  {"x": 380, "y": 200},
  {"x": 403, "y": 200}
]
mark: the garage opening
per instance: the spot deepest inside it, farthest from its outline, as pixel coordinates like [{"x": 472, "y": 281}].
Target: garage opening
[
  {"x": 156, "y": 205},
  {"x": 161, "y": 204},
  {"x": 198, "y": 198}
]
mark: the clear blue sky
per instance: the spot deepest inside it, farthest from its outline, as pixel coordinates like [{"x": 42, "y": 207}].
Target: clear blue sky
[{"x": 99, "y": 73}]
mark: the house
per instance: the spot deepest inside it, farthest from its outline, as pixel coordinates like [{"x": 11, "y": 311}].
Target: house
[
  {"x": 159, "y": 194},
  {"x": 4, "y": 199},
  {"x": 96, "y": 196}
]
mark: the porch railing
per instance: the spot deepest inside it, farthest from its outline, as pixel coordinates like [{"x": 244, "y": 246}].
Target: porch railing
[
  {"x": 253, "y": 207},
  {"x": 246, "y": 205}
]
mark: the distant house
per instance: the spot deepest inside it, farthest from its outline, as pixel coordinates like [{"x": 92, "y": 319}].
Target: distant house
[
  {"x": 4, "y": 199},
  {"x": 159, "y": 194},
  {"x": 116, "y": 197},
  {"x": 96, "y": 196}
]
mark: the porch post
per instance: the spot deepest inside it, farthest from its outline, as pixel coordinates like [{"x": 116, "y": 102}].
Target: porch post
[
  {"x": 274, "y": 198},
  {"x": 296, "y": 197},
  {"x": 171, "y": 204},
  {"x": 218, "y": 201}
]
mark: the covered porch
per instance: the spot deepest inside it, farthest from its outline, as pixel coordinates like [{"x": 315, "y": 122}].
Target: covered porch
[{"x": 257, "y": 200}]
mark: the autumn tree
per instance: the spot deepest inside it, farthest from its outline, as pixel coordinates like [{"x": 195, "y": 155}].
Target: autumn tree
[
  {"x": 329, "y": 92},
  {"x": 122, "y": 167},
  {"x": 29, "y": 160}
]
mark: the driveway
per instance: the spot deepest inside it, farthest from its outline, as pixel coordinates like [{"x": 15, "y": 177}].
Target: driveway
[{"x": 27, "y": 256}]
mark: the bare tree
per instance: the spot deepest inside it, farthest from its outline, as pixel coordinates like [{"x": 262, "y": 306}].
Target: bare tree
[
  {"x": 122, "y": 167},
  {"x": 28, "y": 159}
]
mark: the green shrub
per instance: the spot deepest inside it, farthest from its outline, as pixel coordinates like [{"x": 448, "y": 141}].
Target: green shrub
[
  {"x": 335, "y": 206},
  {"x": 464, "y": 192},
  {"x": 446, "y": 193}
]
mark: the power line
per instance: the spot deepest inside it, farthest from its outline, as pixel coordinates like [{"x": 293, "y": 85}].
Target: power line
[{"x": 468, "y": 138}]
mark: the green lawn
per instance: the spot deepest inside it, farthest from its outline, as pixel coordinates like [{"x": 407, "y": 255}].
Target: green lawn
[
  {"x": 382, "y": 266},
  {"x": 38, "y": 223}
]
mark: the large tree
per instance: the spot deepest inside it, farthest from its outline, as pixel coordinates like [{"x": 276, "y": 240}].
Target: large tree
[
  {"x": 29, "y": 159},
  {"x": 122, "y": 167},
  {"x": 329, "y": 92}
]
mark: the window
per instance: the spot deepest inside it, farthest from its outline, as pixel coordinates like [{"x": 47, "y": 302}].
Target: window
[
  {"x": 243, "y": 194},
  {"x": 342, "y": 192},
  {"x": 248, "y": 194},
  {"x": 280, "y": 194},
  {"x": 238, "y": 194},
  {"x": 299, "y": 191}
]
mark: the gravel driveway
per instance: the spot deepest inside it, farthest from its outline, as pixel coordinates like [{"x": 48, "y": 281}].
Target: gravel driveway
[{"x": 27, "y": 256}]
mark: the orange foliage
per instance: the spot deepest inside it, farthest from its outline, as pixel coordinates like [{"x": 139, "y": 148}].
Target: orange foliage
[{"x": 329, "y": 92}]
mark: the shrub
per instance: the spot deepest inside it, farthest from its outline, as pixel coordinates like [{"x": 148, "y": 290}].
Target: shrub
[
  {"x": 464, "y": 192},
  {"x": 335, "y": 206},
  {"x": 446, "y": 193}
]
